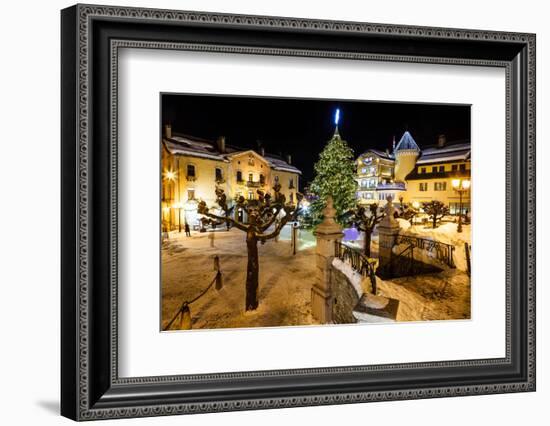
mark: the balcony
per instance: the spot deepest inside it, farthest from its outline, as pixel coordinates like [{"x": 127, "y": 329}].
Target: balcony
[
  {"x": 255, "y": 184},
  {"x": 219, "y": 180},
  {"x": 191, "y": 178}
]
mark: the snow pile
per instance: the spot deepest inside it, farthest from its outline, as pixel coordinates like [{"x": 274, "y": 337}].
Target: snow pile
[
  {"x": 353, "y": 277},
  {"x": 403, "y": 224}
]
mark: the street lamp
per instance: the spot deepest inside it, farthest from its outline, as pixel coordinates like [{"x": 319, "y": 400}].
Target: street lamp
[
  {"x": 171, "y": 176},
  {"x": 178, "y": 206},
  {"x": 460, "y": 186}
]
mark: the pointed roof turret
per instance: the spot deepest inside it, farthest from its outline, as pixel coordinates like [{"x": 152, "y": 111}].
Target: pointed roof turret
[{"x": 406, "y": 142}]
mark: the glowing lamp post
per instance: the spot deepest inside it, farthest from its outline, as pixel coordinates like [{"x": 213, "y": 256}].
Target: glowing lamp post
[
  {"x": 178, "y": 206},
  {"x": 170, "y": 176},
  {"x": 460, "y": 186}
]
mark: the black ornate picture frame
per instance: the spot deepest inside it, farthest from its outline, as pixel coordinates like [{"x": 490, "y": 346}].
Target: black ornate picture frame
[{"x": 91, "y": 387}]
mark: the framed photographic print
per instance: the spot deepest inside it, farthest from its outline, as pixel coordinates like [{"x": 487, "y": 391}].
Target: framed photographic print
[{"x": 263, "y": 212}]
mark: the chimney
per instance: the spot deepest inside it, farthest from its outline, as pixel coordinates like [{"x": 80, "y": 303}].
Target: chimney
[
  {"x": 288, "y": 159},
  {"x": 168, "y": 131},
  {"x": 221, "y": 144},
  {"x": 261, "y": 149},
  {"x": 441, "y": 141}
]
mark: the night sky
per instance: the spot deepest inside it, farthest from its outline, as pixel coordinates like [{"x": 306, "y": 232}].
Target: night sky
[{"x": 302, "y": 127}]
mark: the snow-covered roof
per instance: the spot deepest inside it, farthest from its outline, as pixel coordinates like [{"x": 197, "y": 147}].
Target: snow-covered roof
[
  {"x": 382, "y": 154},
  {"x": 279, "y": 164},
  {"x": 452, "y": 152},
  {"x": 181, "y": 146},
  {"x": 203, "y": 148},
  {"x": 406, "y": 142}
]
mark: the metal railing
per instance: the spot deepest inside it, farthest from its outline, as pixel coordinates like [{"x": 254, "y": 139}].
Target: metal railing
[
  {"x": 357, "y": 260},
  {"x": 443, "y": 252}
]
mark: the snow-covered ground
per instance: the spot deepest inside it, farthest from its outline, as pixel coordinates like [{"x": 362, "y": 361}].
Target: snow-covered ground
[
  {"x": 441, "y": 296},
  {"x": 285, "y": 280}
]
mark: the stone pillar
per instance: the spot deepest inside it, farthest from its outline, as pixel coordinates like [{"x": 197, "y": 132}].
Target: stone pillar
[
  {"x": 388, "y": 229},
  {"x": 326, "y": 233}
]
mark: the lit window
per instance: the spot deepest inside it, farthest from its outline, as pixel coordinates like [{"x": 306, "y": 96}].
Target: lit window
[
  {"x": 250, "y": 195},
  {"x": 250, "y": 177},
  {"x": 440, "y": 186},
  {"x": 190, "y": 194}
]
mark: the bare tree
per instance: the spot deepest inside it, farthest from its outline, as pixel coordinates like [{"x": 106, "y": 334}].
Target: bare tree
[
  {"x": 262, "y": 214},
  {"x": 407, "y": 212},
  {"x": 435, "y": 210},
  {"x": 365, "y": 219}
]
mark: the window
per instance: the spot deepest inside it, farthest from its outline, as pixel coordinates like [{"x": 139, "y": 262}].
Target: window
[
  {"x": 291, "y": 183},
  {"x": 250, "y": 195},
  {"x": 262, "y": 179},
  {"x": 190, "y": 194},
  {"x": 440, "y": 186},
  {"x": 423, "y": 186},
  {"x": 250, "y": 161},
  {"x": 219, "y": 176},
  {"x": 423, "y": 170},
  {"x": 454, "y": 167},
  {"x": 364, "y": 170},
  {"x": 276, "y": 179},
  {"x": 463, "y": 167},
  {"x": 291, "y": 196},
  {"x": 434, "y": 169},
  {"x": 250, "y": 177},
  {"x": 190, "y": 170},
  {"x": 239, "y": 176},
  {"x": 441, "y": 169}
]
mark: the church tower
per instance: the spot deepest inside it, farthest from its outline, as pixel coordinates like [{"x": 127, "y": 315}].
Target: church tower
[{"x": 406, "y": 153}]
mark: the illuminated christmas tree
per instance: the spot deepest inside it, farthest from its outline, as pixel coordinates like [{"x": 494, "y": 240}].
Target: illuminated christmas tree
[{"x": 334, "y": 176}]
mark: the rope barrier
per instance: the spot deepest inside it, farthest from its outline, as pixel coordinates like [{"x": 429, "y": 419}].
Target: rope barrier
[{"x": 184, "y": 308}]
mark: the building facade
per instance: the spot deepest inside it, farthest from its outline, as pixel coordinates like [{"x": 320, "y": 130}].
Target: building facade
[
  {"x": 192, "y": 169},
  {"x": 416, "y": 175}
]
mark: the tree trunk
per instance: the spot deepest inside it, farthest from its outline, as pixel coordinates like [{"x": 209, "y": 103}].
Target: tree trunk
[
  {"x": 366, "y": 248},
  {"x": 252, "y": 271}
]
